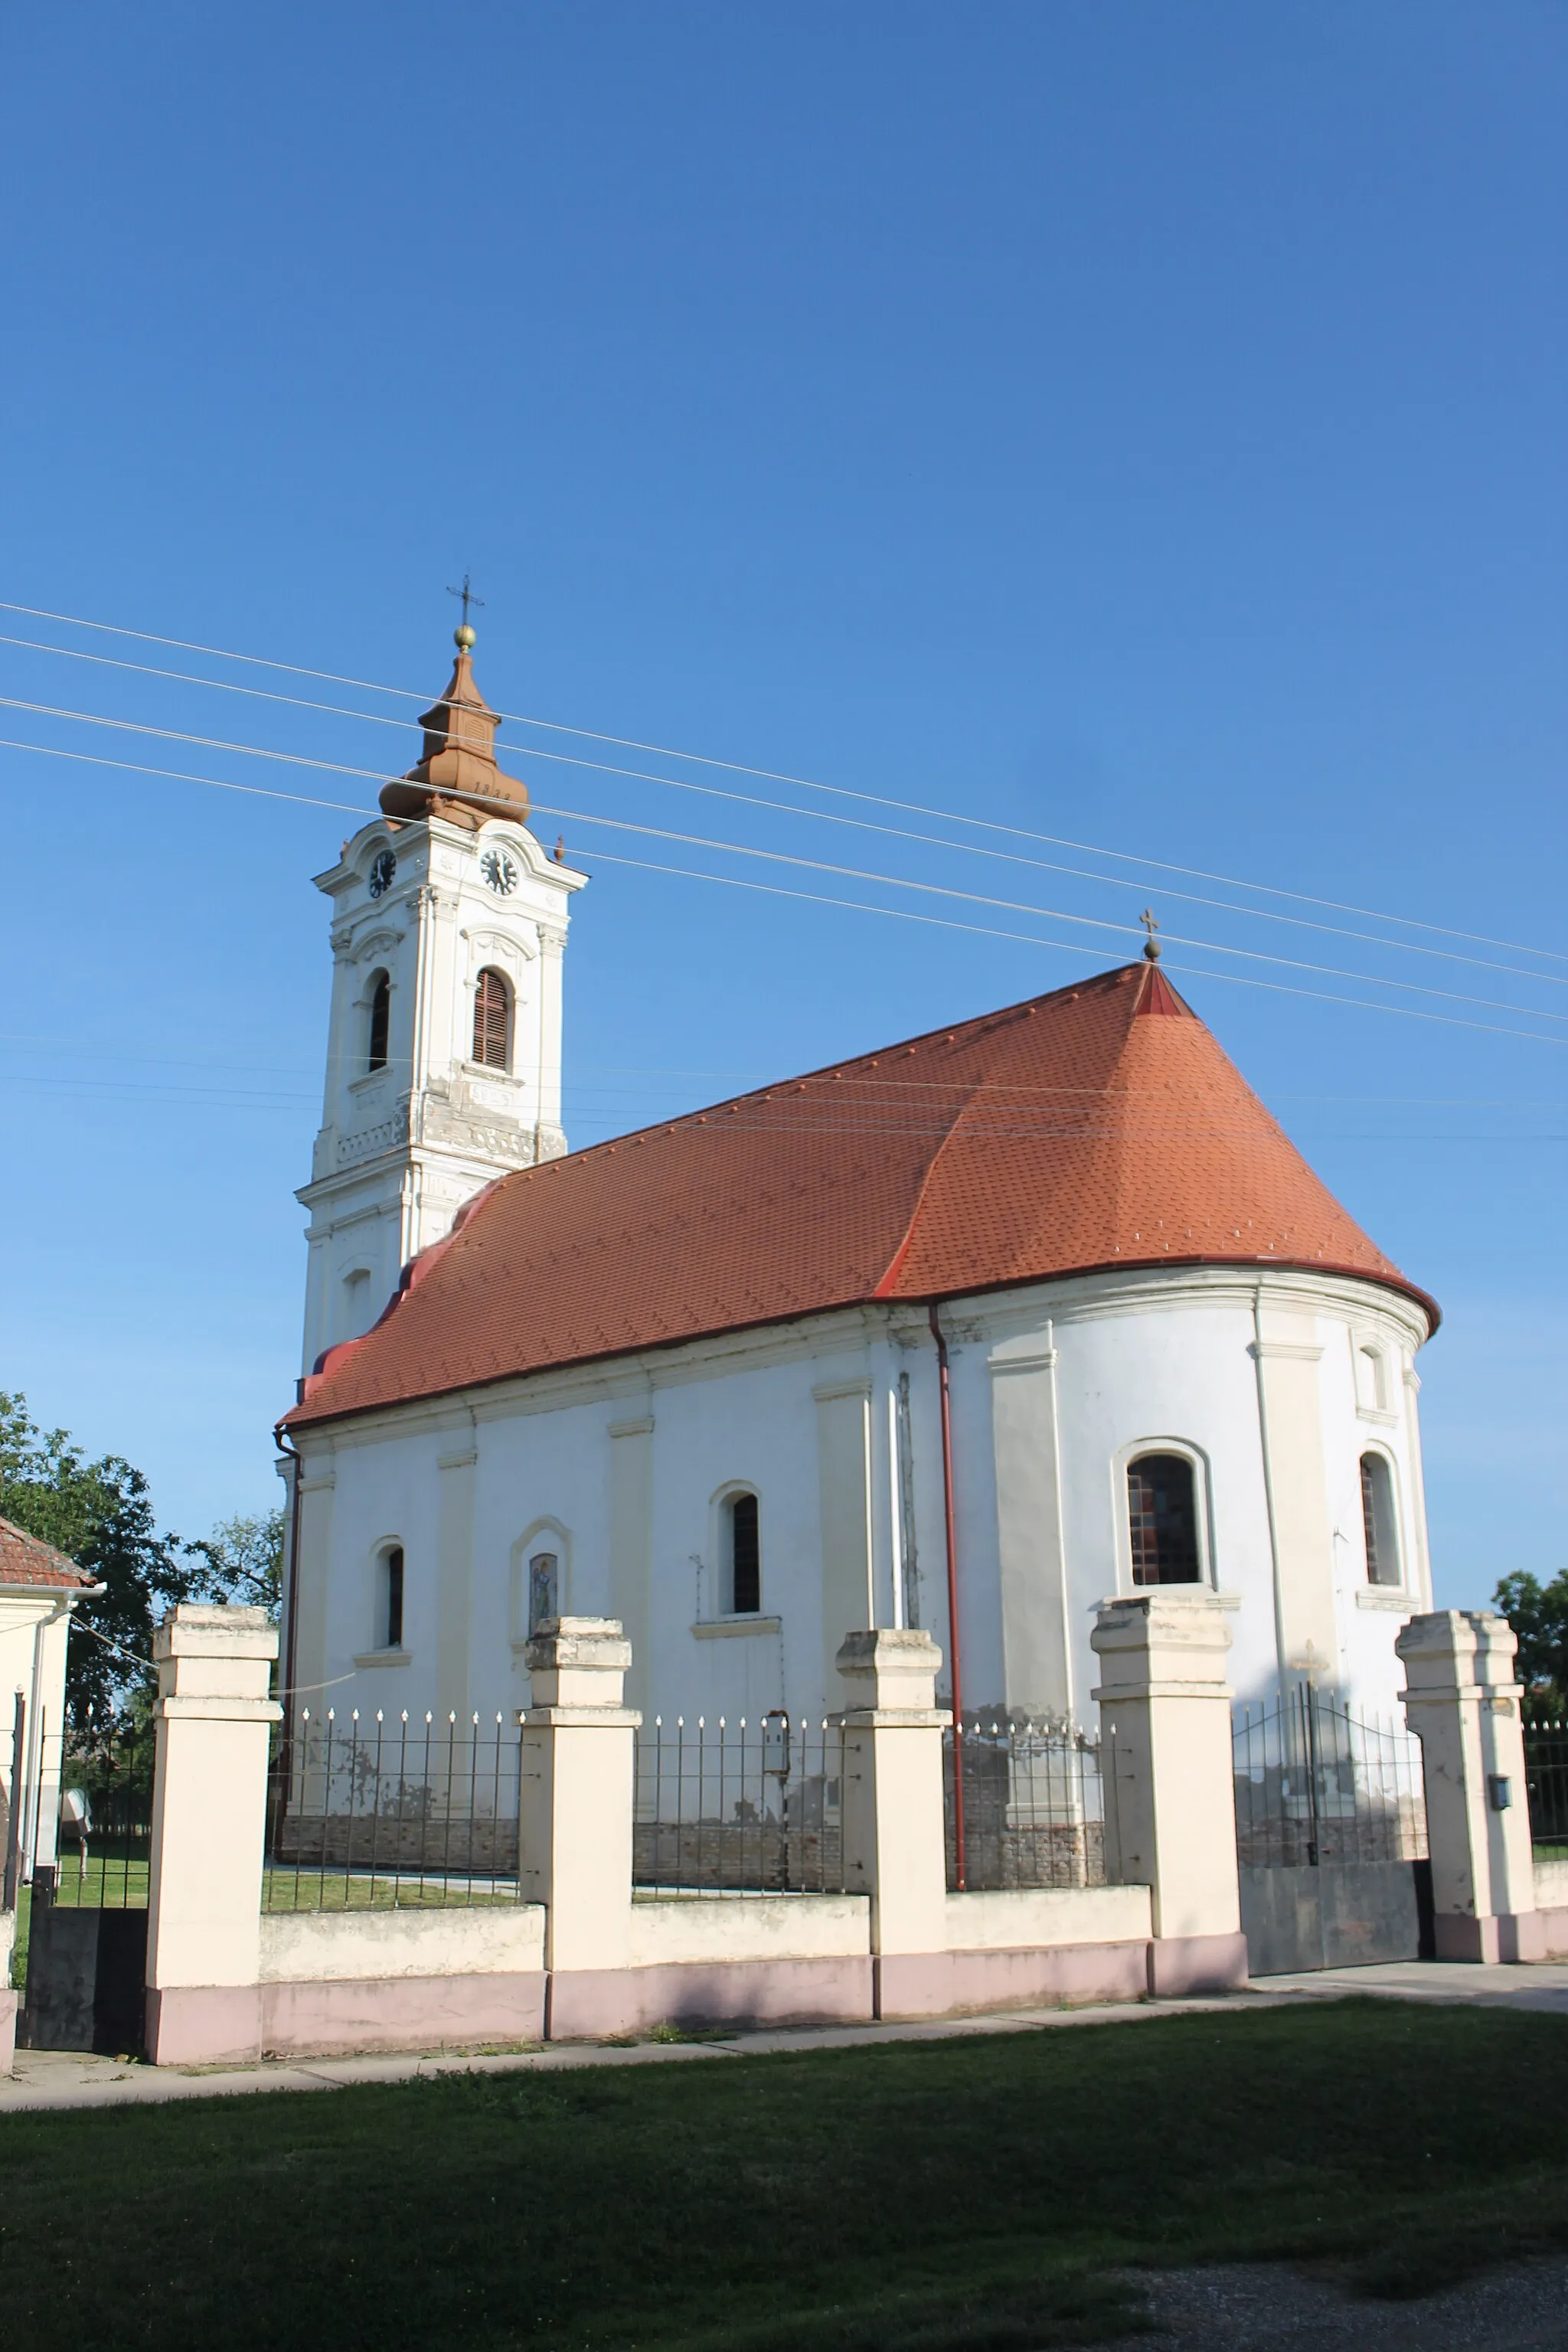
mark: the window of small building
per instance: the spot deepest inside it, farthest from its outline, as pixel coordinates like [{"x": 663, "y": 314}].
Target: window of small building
[
  {"x": 493, "y": 1021},
  {"x": 1163, "y": 1517},
  {"x": 543, "y": 1588},
  {"x": 743, "y": 1565},
  {"x": 389, "y": 1599},
  {"x": 1379, "y": 1521},
  {"x": 380, "y": 1016}
]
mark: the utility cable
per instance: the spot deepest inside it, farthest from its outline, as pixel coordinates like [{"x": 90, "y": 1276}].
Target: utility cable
[
  {"x": 806, "y": 784},
  {"x": 821, "y": 865},
  {"x": 819, "y": 816}
]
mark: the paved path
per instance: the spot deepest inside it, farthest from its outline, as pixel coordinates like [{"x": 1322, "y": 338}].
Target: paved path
[{"x": 50, "y": 2079}]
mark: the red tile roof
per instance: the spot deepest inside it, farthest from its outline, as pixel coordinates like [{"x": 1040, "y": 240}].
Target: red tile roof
[
  {"x": 1061, "y": 1136},
  {"x": 26, "y": 1561}
]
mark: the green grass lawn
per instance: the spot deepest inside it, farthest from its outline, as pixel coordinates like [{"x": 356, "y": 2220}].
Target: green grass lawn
[{"x": 964, "y": 2194}]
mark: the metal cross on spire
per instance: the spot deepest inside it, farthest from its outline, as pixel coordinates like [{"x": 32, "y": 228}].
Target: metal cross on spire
[
  {"x": 1152, "y": 945},
  {"x": 464, "y": 635}
]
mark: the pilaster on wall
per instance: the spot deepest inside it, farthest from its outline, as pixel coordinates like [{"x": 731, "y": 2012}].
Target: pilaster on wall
[
  {"x": 455, "y": 1575},
  {"x": 631, "y": 1541},
  {"x": 844, "y": 1484},
  {"x": 1031, "y": 1549},
  {"x": 213, "y": 1717},
  {"x": 1170, "y": 1797},
  {"x": 1462, "y": 1701},
  {"x": 316, "y": 1480},
  {"x": 1294, "y": 1470}
]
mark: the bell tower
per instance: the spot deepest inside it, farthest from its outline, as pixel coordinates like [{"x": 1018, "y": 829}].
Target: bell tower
[{"x": 449, "y": 927}]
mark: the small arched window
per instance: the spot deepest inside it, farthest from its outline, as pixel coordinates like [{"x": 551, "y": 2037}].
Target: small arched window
[
  {"x": 493, "y": 1021},
  {"x": 1163, "y": 1515},
  {"x": 380, "y": 1015},
  {"x": 743, "y": 1563},
  {"x": 389, "y": 1599},
  {"x": 1378, "y": 1521}
]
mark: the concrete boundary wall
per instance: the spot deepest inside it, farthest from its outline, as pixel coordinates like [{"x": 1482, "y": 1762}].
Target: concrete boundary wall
[{"x": 1551, "y": 1903}]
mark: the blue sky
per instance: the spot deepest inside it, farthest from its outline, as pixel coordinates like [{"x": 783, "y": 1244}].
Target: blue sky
[{"x": 1138, "y": 425}]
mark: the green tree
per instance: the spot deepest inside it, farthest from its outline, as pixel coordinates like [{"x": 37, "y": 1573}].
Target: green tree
[
  {"x": 99, "y": 1514},
  {"x": 1539, "y": 1614},
  {"x": 245, "y": 1561}
]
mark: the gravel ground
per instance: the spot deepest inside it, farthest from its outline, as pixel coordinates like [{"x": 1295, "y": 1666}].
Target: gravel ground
[{"x": 1260, "y": 2307}]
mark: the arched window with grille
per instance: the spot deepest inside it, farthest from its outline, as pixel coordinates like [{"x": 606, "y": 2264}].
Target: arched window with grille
[
  {"x": 1378, "y": 1522},
  {"x": 380, "y": 1015},
  {"x": 1162, "y": 1520},
  {"x": 493, "y": 1021}
]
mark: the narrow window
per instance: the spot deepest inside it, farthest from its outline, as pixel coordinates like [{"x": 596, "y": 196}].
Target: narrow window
[
  {"x": 492, "y": 1018},
  {"x": 543, "y": 1588},
  {"x": 1162, "y": 1514},
  {"x": 1378, "y": 1521},
  {"x": 1370, "y": 1385},
  {"x": 380, "y": 1012},
  {"x": 390, "y": 1627},
  {"x": 745, "y": 1555}
]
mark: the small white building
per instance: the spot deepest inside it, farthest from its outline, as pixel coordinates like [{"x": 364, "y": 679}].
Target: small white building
[
  {"x": 1033, "y": 1311},
  {"x": 39, "y": 1587}
]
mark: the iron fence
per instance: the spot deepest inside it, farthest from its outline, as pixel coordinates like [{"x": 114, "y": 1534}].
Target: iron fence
[
  {"x": 1546, "y": 1786},
  {"x": 1316, "y": 1784},
  {"x": 735, "y": 1808},
  {"x": 1033, "y": 1806},
  {"x": 368, "y": 1813},
  {"x": 102, "y": 1807}
]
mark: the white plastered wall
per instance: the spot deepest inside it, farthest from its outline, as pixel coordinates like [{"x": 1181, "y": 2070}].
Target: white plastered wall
[{"x": 1054, "y": 1388}]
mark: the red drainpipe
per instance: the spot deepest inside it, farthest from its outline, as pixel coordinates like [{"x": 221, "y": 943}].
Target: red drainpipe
[{"x": 944, "y": 1390}]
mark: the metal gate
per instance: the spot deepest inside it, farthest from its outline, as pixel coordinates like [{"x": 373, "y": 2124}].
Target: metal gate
[
  {"x": 1330, "y": 1827},
  {"x": 86, "y": 1925}
]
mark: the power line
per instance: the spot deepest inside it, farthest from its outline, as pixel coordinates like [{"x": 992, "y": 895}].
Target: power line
[
  {"x": 817, "y": 816},
  {"x": 1238, "y": 980},
  {"x": 821, "y": 865},
  {"x": 806, "y": 784}
]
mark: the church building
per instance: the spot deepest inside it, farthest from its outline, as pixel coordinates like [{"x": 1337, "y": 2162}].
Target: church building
[{"x": 1025, "y": 1313}]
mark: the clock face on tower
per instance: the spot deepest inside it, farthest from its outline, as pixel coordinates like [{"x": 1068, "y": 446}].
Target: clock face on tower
[
  {"x": 381, "y": 872},
  {"x": 499, "y": 872}
]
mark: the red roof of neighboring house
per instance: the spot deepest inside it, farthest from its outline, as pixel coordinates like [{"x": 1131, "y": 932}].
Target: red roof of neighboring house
[
  {"x": 27, "y": 1561},
  {"x": 1072, "y": 1133}
]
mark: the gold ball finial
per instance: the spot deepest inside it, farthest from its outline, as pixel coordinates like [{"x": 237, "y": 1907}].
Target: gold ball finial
[{"x": 463, "y": 639}]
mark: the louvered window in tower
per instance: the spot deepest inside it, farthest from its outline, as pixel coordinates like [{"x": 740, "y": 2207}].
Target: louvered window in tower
[{"x": 492, "y": 1019}]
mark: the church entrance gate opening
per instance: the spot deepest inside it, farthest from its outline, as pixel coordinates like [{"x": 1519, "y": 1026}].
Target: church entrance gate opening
[
  {"x": 87, "y": 1924},
  {"x": 1330, "y": 1830}
]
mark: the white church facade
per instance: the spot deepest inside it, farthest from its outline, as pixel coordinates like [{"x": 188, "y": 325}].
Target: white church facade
[{"x": 1024, "y": 1314}]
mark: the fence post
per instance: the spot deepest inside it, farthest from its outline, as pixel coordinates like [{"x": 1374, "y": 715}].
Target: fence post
[
  {"x": 213, "y": 1717},
  {"x": 574, "y": 1819},
  {"x": 1170, "y": 1790},
  {"x": 1462, "y": 1702},
  {"x": 894, "y": 1833}
]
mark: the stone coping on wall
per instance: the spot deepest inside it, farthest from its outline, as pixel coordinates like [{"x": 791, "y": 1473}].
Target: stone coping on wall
[
  {"x": 457, "y": 1940},
  {"x": 1044, "y": 1917}
]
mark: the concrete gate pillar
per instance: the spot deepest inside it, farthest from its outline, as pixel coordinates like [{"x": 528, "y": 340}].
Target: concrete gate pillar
[
  {"x": 894, "y": 1834},
  {"x": 213, "y": 1717},
  {"x": 575, "y": 1820},
  {"x": 1170, "y": 1793},
  {"x": 1462, "y": 1702}
]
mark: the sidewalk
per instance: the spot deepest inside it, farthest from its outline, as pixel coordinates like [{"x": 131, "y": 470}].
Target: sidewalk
[{"x": 49, "y": 2079}]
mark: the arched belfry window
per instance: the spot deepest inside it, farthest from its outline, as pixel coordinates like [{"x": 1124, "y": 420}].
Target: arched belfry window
[
  {"x": 744, "y": 1564},
  {"x": 380, "y": 1015},
  {"x": 493, "y": 1021},
  {"x": 1378, "y": 1521},
  {"x": 1163, "y": 1517}
]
